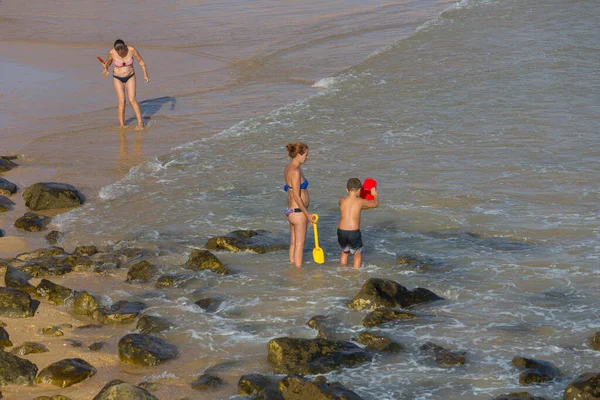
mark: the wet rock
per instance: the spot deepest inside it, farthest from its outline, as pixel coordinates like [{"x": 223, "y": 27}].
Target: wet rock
[
  {"x": 2, "y": 234},
  {"x": 41, "y": 253},
  {"x": 139, "y": 349},
  {"x": 445, "y": 358},
  {"x": 52, "y": 195},
  {"x": 97, "y": 346},
  {"x": 313, "y": 356},
  {"x": 535, "y": 371},
  {"x": 584, "y": 387},
  {"x": 32, "y": 222},
  {"x": 4, "y": 339},
  {"x": 150, "y": 324},
  {"x": 109, "y": 258},
  {"x": 200, "y": 260},
  {"x": 519, "y": 396},
  {"x": 259, "y": 242},
  {"x": 7, "y": 188},
  {"x": 383, "y": 315},
  {"x": 29, "y": 348},
  {"x": 6, "y": 204},
  {"x": 17, "y": 279},
  {"x": 122, "y": 312},
  {"x": 85, "y": 303},
  {"x": 15, "y": 370},
  {"x": 142, "y": 271},
  {"x": 15, "y": 303},
  {"x": 67, "y": 372},
  {"x": 52, "y": 331},
  {"x": 76, "y": 263},
  {"x": 55, "y": 397},
  {"x": 379, "y": 343},
  {"x": 54, "y": 237},
  {"x": 385, "y": 293},
  {"x": 299, "y": 388},
  {"x": 118, "y": 389},
  {"x": 7, "y": 163},
  {"x": 417, "y": 263},
  {"x": 42, "y": 267},
  {"x": 593, "y": 342},
  {"x": 174, "y": 280},
  {"x": 149, "y": 386},
  {"x": 251, "y": 384},
  {"x": 56, "y": 294},
  {"x": 207, "y": 382},
  {"x": 90, "y": 326},
  {"x": 85, "y": 251},
  {"x": 327, "y": 327},
  {"x": 209, "y": 304},
  {"x": 269, "y": 393},
  {"x": 74, "y": 343}
]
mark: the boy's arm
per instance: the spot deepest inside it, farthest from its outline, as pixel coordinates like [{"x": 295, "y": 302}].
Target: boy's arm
[{"x": 372, "y": 203}]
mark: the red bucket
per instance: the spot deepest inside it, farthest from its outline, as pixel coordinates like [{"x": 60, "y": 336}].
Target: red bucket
[{"x": 365, "y": 192}]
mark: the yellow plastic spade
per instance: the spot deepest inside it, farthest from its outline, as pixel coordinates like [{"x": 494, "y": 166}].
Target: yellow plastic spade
[{"x": 318, "y": 254}]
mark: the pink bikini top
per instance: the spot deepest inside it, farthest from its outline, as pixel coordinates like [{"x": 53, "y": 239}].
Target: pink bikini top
[{"x": 127, "y": 63}]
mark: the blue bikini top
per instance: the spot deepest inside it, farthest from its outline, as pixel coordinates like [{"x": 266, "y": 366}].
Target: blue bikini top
[{"x": 303, "y": 185}]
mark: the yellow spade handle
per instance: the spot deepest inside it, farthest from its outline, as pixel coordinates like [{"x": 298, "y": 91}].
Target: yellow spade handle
[{"x": 315, "y": 219}]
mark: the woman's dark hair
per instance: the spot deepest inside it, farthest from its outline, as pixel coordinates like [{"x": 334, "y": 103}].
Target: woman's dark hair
[
  {"x": 296, "y": 148},
  {"x": 119, "y": 45}
]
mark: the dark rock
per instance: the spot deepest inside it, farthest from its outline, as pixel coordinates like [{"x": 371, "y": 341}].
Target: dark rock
[
  {"x": 584, "y": 387},
  {"x": 117, "y": 389},
  {"x": 67, "y": 372},
  {"x": 109, "y": 258},
  {"x": 327, "y": 327},
  {"x": 593, "y": 342},
  {"x": 16, "y": 303},
  {"x": 41, "y": 253},
  {"x": 535, "y": 371},
  {"x": 85, "y": 251},
  {"x": 174, "y": 280},
  {"x": 6, "y": 204},
  {"x": 17, "y": 279},
  {"x": 259, "y": 242},
  {"x": 43, "y": 267},
  {"x": 54, "y": 237},
  {"x": 32, "y": 222},
  {"x": 90, "y": 326},
  {"x": 29, "y": 348},
  {"x": 518, "y": 396},
  {"x": 139, "y": 349},
  {"x": 313, "y": 356},
  {"x": 121, "y": 312},
  {"x": 203, "y": 259},
  {"x": 97, "y": 346},
  {"x": 383, "y": 315},
  {"x": 149, "y": 386},
  {"x": 299, "y": 388},
  {"x": 207, "y": 382},
  {"x": 385, "y": 293},
  {"x": 379, "y": 343},
  {"x": 7, "y": 188},
  {"x": 4, "y": 339},
  {"x": 251, "y": 384},
  {"x": 57, "y": 294},
  {"x": 269, "y": 393},
  {"x": 85, "y": 303},
  {"x": 55, "y": 397},
  {"x": 142, "y": 271},
  {"x": 2, "y": 234},
  {"x": 6, "y": 164},
  {"x": 76, "y": 263},
  {"x": 52, "y": 331},
  {"x": 15, "y": 370},
  {"x": 209, "y": 304},
  {"x": 74, "y": 343},
  {"x": 149, "y": 324},
  {"x": 51, "y": 195},
  {"x": 445, "y": 358}
]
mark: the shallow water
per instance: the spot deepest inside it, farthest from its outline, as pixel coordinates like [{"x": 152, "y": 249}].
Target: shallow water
[{"x": 479, "y": 128}]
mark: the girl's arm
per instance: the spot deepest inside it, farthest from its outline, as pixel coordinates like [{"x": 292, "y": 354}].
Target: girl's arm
[{"x": 140, "y": 60}]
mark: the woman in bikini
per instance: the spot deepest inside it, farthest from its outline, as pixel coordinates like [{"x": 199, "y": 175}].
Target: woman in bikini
[
  {"x": 124, "y": 78},
  {"x": 296, "y": 186}
]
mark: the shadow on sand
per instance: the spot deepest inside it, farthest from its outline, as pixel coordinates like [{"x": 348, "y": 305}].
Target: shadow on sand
[{"x": 151, "y": 106}]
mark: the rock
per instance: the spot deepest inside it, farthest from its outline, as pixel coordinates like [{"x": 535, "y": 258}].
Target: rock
[
  {"x": 67, "y": 372},
  {"x": 6, "y": 204},
  {"x": 32, "y": 222},
  {"x": 52, "y": 195},
  {"x": 17, "y": 279},
  {"x": 29, "y": 348},
  {"x": 54, "y": 237},
  {"x": 56, "y": 294},
  {"x": 299, "y": 388},
  {"x": 593, "y": 342},
  {"x": 16, "y": 303},
  {"x": 55, "y": 397},
  {"x": 43, "y": 267},
  {"x": 535, "y": 371},
  {"x": 85, "y": 303},
  {"x": 269, "y": 393},
  {"x": 15, "y": 370},
  {"x": 584, "y": 387},
  {"x": 385, "y": 293},
  {"x": 6, "y": 163},
  {"x": 76, "y": 263},
  {"x": 379, "y": 343},
  {"x": 4, "y": 339},
  {"x": 90, "y": 326},
  {"x": 207, "y": 382},
  {"x": 209, "y": 304},
  {"x": 259, "y": 242},
  {"x": 41, "y": 253},
  {"x": 327, "y": 327},
  {"x": 142, "y": 271},
  {"x": 518, "y": 396},
  {"x": 173, "y": 280},
  {"x": 121, "y": 312},
  {"x": 85, "y": 251},
  {"x": 383, "y": 315},
  {"x": 2, "y": 234},
  {"x": 251, "y": 384},
  {"x": 97, "y": 346},
  {"x": 52, "y": 331},
  {"x": 74, "y": 343},
  {"x": 117, "y": 389},
  {"x": 7, "y": 188},
  {"x": 313, "y": 356},
  {"x": 203, "y": 259},
  {"x": 445, "y": 358},
  {"x": 139, "y": 349},
  {"x": 149, "y": 324}
]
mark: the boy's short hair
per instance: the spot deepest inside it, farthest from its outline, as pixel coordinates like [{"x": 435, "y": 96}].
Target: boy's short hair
[{"x": 353, "y": 184}]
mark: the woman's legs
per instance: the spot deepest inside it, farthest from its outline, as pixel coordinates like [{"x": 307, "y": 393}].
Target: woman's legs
[
  {"x": 298, "y": 225},
  {"x": 130, "y": 86},
  {"x": 120, "y": 90}
]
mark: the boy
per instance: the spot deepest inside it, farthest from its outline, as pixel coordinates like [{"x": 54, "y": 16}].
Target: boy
[{"x": 348, "y": 232}]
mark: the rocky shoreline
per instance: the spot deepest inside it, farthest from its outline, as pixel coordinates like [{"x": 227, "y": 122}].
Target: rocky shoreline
[{"x": 30, "y": 289}]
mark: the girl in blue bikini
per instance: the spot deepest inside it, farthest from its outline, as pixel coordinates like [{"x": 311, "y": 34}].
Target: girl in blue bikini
[
  {"x": 124, "y": 78},
  {"x": 296, "y": 186}
]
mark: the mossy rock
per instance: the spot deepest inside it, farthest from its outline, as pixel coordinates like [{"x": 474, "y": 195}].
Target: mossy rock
[
  {"x": 52, "y": 195},
  {"x": 16, "y": 303},
  {"x": 200, "y": 260},
  {"x": 118, "y": 389},
  {"x": 32, "y": 222},
  {"x": 140, "y": 349},
  {"x": 142, "y": 272},
  {"x": 379, "y": 343},
  {"x": 121, "y": 312},
  {"x": 384, "y": 293},
  {"x": 67, "y": 372},
  {"x": 150, "y": 324},
  {"x": 384, "y": 315},
  {"x": 207, "y": 382},
  {"x": 15, "y": 370},
  {"x": 259, "y": 242},
  {"x": 29, "y": 348}
]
